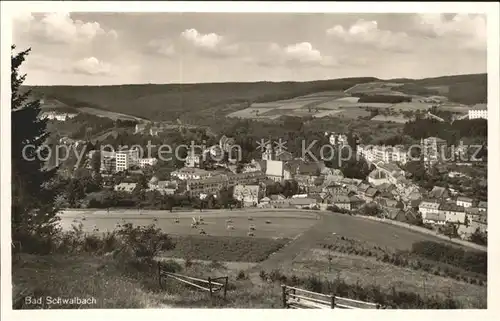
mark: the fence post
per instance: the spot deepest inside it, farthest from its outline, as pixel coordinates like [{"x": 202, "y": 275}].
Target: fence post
[
  {"x": 225, "y": 287},
  {"x": 210, "y": 286},
  {"x": 283, "y": 295},
  {"x": 159, "y": 274},
  {"x": 333, "y": 302}
]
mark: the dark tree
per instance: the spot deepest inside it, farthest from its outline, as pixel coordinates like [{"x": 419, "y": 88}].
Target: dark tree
[{"x": 33, "y": 210}]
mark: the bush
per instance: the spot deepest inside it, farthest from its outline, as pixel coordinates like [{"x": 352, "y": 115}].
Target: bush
[
  {"x": 241, "y": 275},
  {"x": 263, "y": 274},
  {"x": 145, "y": 241},
  {"x": 275, "y": 275},
  {"x": 188, "y": 262},
  {"x": 171, "y": 266}
]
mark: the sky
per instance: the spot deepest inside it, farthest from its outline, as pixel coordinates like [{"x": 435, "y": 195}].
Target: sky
[{"x": 125, "y": 48}]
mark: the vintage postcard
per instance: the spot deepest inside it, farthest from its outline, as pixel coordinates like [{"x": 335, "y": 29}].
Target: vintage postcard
[{"x": 171, "y": 156}]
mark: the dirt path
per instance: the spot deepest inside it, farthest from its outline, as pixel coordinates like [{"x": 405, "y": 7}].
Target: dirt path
[{"x": 303, "y": 242}]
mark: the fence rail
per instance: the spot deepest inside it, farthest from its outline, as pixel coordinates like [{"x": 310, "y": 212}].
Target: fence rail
[
  {"x": 210, "y": 285},
  {"x": 296, "y": 298}
]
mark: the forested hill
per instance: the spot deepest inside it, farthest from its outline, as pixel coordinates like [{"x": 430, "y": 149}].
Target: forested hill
[{"x": 171, "y": 101}]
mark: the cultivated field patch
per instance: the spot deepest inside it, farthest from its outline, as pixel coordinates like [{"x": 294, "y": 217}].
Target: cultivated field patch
[
  {"x": 411, "y": 106},
  {"x": 223, "y": 248},
  {"x": 108, "y": 114}
]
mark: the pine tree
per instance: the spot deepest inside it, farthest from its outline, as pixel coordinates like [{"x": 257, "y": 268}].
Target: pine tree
[{"x": 33, "y": 211}]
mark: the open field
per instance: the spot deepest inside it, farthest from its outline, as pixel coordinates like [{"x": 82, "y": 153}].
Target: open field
[
  {"x": 284, "y": 224},
  {"x": 108, "y": 114},
  {"x": 396, "y": 119},
  {"x": 411, "y": 106},
  {"x": 369, "y": 271},
  {"x": 266, "y": 224}
]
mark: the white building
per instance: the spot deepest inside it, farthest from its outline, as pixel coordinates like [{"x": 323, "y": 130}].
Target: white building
[
  {"x": 337, "y": 139},
  {"x": 57, "y": 116},
  {"x": 125, "y": 187},
  {"x": 144, "y": 162},
  {"x": 192, "y": 159},
  {"x": 125, "y": 159},
  {"x": 429, "y": 211},
  {"x": 276, "y": 171},
  {"x": 453, "y": 213},
  {"x": 380, "y": 153},
  {"x": 464, "y": 201},
  {"x": 190, "y": 173},
  {"x": 478, "y": 111}
]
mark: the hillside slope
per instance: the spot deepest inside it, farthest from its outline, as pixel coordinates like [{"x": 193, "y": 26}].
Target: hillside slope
[{"x": 198, "y": 101}]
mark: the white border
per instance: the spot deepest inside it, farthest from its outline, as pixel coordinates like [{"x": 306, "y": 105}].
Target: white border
[{"x": 491, "y": 9}]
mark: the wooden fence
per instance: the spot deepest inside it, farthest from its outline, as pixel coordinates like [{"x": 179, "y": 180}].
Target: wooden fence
[
  {"x": 210, "y": 285},
  {"x": 295, "y": 298}
]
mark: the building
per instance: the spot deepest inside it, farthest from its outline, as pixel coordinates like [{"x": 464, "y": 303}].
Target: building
[
  {"x": 140, "y": 128},
  {"x": 478, "y": 111},
  {"x": 453, "y": 213},
  {"x": 126, "y": 159},
  {"x": 164, "y": 187},
  {"x": 210, "y": 185},
  {"x": 190, "y": 173},
  {"x": 482, "y": 206},
  {"x": 429, "y": 210},
  {"x": 439, "y": 193},
  {"x": 433, "y": 150},
  {"x": 409, "y": 217},
  {"x": 337, "y": 139},
  {"x": 108, "y": 161},
  {"x": 276, "y": 171},
  {"x": 475, "y": 214},
  {"x": 464, "y": 201},
  {"x": 193, "y": 159},
  {"x": 125, "y": 187},
  {"x": 54, "y": 115},
  {"x": 213, "y": 184},
  {"x": 144, "y": 162},
  {"x": 247, "y": 194},
  {"x": 303, "y": 202},
  {"x": 381, "y": 153},
  {"x": 378, "y": 177}
]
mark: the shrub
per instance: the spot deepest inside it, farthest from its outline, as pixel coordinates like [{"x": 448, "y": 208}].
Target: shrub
[
  {"x": 241, "y": 275},
  {"x": 314, "y": 284},
  {"x": 145, "y": 241},
  {"x": 275, "y": 275},
  {"x": 263, "y": 274},
  {"x": 188, "y": 262},
  {"x": 171, "y": 266},
  {"x": 92, "y": 243}
]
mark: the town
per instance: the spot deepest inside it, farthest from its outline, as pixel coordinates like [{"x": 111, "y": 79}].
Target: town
[{"x": 205, "y": 161}]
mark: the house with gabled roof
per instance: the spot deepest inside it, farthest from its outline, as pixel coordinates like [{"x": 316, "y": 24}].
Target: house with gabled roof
[
  {"x": 464, "y": 201},
  {"x": 439, "y": 192},
  {"x": 453, "y": 212},
  {"x": 482, "y": 206}
]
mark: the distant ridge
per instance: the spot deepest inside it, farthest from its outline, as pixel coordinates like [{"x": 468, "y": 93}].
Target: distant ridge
[{"x": 198, "y": 101}]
